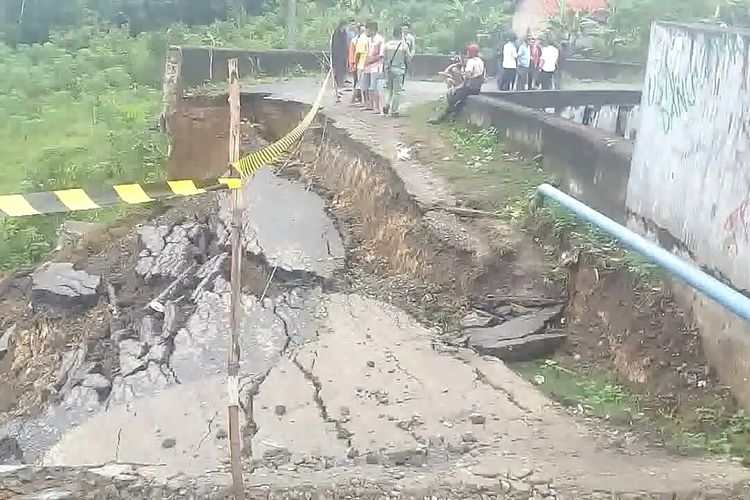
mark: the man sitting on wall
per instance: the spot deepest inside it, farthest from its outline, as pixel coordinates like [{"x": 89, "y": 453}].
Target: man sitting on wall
[{"x": 474, "y": 75}]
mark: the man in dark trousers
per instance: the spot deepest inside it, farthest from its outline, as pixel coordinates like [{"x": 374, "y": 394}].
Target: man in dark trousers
[
  {"x": 339, "y": 57},
  {"x": 474, "y": 74}
]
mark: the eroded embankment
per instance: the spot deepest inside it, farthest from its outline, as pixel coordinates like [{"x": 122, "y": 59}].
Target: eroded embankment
[{"x": 348, "y": 282}]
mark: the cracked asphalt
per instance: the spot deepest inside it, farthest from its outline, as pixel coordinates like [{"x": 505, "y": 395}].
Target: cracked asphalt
[{"x": 336, "y": 387}]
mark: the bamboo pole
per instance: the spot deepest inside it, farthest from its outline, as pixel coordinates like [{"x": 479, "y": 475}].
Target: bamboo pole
[{"x": 235, "y": 306}]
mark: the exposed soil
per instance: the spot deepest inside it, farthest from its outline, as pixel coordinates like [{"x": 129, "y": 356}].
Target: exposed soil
[{"x": 616, "y": 323}]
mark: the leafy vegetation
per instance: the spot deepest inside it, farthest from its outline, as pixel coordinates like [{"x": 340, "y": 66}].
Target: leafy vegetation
[
  {"x": 600, "y": 395},
  {"x": 623, "y": 31},
  {"x": 78, "y": 111}
]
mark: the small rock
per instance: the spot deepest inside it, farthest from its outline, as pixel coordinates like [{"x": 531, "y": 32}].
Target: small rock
[
  {"x": 468, "y": 437},
  {"x": 169, "y": 443},
  {"x": 96, "y": 381},
  {"x": 343, "y": 433},
  {"x": 371, "y": 364},
  {"x": 279, "y": 410},
  {"x": 372, "y": 459},
  {"x": 437, "y": 441},
  {"x": 477, "y": 419}
]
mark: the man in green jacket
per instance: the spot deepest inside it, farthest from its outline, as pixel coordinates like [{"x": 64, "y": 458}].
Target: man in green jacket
[{"x": 396, "y": 57}]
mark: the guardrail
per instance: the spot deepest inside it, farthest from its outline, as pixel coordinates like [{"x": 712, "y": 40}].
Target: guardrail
[{"x": 689, "y": 273}]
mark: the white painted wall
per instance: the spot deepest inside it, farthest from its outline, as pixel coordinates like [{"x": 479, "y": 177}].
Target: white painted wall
[
  {"x": 691, "y": 164},
  {"x": 529, "y": 14}
]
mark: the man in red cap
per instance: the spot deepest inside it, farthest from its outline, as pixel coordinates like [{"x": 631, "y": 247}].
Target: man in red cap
[{"x": 474, "y": 74}]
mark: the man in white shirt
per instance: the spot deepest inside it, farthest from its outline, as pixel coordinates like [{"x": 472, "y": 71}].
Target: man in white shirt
[
  {"x": 548, "y": 64},
  {"x": 474, "y": 74},
  {"x": 509, "y": 63}
]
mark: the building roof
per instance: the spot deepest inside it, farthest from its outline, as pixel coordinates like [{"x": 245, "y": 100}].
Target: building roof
[{"x": 552, "y": 7}]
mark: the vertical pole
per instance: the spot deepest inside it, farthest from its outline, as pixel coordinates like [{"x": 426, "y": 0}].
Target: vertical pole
[
  {"x": 291, "y": 24},
  {"x": 235, "y": 305}
]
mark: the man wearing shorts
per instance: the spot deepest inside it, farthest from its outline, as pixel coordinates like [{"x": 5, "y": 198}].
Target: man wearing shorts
[
  {"x": 359, "y": 52},
  {"x": 372, "y": 75}
]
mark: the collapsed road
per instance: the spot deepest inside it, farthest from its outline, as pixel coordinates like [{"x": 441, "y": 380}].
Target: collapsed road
[{"x": 114, "y": 373}]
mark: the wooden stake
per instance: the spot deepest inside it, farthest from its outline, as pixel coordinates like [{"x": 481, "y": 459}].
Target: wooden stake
[{"x": 235, "y": 306}]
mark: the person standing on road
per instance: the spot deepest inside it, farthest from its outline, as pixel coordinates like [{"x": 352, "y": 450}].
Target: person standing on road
[
  {"x": 372, "y": 79},
  {"x": 562, "y": 62},
  {"x": 396, "y": 56},
  {"x": 510, "y": 63},
  {"x": 548, "y": 64},
  {"x": 524, "y": 66},
  {"x": 360, "y": 44},
  {"x": 409, "y": 38},
  {"x": 339, "y": 57},
  {"x": 535, "y": 51},
  {"x": 474, "y": 75}
]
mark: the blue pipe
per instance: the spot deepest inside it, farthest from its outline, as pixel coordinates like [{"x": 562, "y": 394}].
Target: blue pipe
[{"x": 690, "y": 274}]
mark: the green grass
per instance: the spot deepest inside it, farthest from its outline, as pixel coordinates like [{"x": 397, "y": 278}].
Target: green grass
[
  {"x": 77, "y": 113},
  {"x": 597, "y": 394},
  {"x": 475, "y": 162},
  {"x": 713, "y": 429}
]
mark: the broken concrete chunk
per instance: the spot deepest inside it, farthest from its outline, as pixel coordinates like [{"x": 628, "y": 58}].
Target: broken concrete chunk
[
  {"x": 169, "y": 251},
  {"x": 477, "y": 419},
  {"x": 520, "y": 339},
  {"x": 6, "y": 338},
  {"x": 152, "y": 238},
  {"x": 148, "y": 331},
  {"x": 478, "y": 319},
  {"x": 57, "y": 284},
  {"x": 96, "y": 381},
  {"x": 131, "y": 352},
  {"x": 10, "y": 451},
  {"x": 171, "y": 318}
]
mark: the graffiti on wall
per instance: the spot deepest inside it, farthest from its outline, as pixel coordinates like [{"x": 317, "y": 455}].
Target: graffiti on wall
[
  {"x": 672, "y": 89},
  {"x": 735, "y": 227}
]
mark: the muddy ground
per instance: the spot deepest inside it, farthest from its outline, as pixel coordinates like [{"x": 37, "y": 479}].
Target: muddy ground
[{"x": 356, "y": 269}]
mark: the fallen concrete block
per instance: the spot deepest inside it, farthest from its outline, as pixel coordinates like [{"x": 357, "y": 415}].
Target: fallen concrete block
[
  {"x": 520, "y": 339},
  {"x": 58, "y": 285}
]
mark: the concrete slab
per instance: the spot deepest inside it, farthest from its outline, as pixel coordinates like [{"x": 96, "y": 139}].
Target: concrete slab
[
  {"x": 287, "y": 224},
  {"x": 173, "y": 432}
]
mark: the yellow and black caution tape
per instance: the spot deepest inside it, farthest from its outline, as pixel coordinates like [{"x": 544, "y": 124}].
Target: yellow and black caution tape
[
  {"x": 248, "y": 164},
  {"x": 68, "y": 200}
]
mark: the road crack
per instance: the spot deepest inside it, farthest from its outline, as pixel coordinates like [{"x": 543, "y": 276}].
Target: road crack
[
  {"x": 341, "y": 431},
  {"x": 481, "y": 377}
]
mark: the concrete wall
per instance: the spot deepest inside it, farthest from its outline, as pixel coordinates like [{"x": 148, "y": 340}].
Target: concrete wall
[
  {"x": 613, "y": 111},
  {"x": 690, "y": 178},
  {"x": 202, "y": 64},
  {"x": 589, "y": 164},
  {"x": 621, "y": 121}
]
